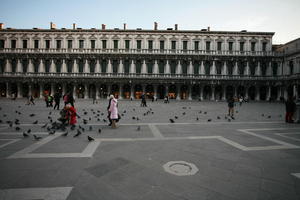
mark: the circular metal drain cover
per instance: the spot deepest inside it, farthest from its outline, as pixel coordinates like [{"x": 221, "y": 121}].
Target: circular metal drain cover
[{"x": 180, "y": 168}]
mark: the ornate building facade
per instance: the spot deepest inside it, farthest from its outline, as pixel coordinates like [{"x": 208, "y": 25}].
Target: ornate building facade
[{"x": 183, "y": 64}]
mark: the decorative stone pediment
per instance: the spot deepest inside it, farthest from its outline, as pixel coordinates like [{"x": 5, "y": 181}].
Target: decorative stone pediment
[
  {"x": 231, "y": 39},
  {"x": 70, "y": 37},
  {"x": 80, "y": 37},
  {"x": 264, "y": 40},
  {"x": 104, "y": 37},
  {"x": 219, "y": 39},
  {"x": 150, "y": 37},
  {"x": 92, "y": 37},
  {"x": 185, "y": 38},
  {"x": 197, "y": 38},
  {"x": 208, "y": 38},
  {"x": 173, "y": 38},
  {"x": 36, "y": 37},
  {"x": 47, "y": 37},
  {"x": 25, "y": 37},
  {"x": 242, "y": 39},
  {"x": 127, "y": 37},
  {"x": 59, "y": 37},
  {"x": 139, "y": 37},
  {"x": 115, "y": 37},
  {"x": 253, "y": 39},
  {"x": 162, "y": 37}
]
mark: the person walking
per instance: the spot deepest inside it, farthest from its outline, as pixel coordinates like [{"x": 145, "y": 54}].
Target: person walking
[
  {"x": 290, "y": 107},
  {"x": 71, "y": 114},
  {"x": 230, "y": 102},
  {"x": 113, "y": 109},
  {"x": 143, "y": 103},
  {"x": 108, "y": 112},
  {"x": 57, "y": 97},
  {"x": 71, "y": 99},
  {"x": 65, "y": 98}
]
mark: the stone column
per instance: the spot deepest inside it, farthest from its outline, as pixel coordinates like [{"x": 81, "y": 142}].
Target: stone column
[
  {"x": 8, "y": 92},
  {"x": 52, "y": 89},
  {"x": 235, "y": 69},
  {"x": 131, "y": 92},
  {"x": 7, "y": 67},
  {"x": 144, "y": 67},
  {"x": 19, "y": 66},
  {"x": 52, "y": 67},
  {"x": 64, "y": 66},
  {"x": 202, "y": 68},
  {"x": 201, "y": 92},
  {"x": 190, "y": 92},
  {"x": 75, "y": 68},
  {"x": 178, "y": 92},
  {"x": 285, "y": 93},
  {"x": 247, "y": 69},
  {"x": 42, "y": 66},
  {"x": 191, "y": 68},
  {"x": 224, "y": 93},
  {"x": 212, "y": 92},
  {"x": 86, "y": 68},
  {"x": 213, "y": 69},
  {"x": 121, "y": 67},
  {"x": 120, "y": 91},
  {"x": 19, "y": 85},
  {"x": 86, "y": 91},
  {"x": 30, "y": 66},
  {"x": 224, "y": 69},
  {"x": 97, "y": 91},
  {"x": 155, "y": 67},
  {"x": 98, "y": 67},
  {"x": 109, "y": 66},
  {"x": 132, "y": 69},
  {"x": 258, "y": 70},
  {"x": 167, "y": 67},
  {"x": 179, "y": 68},
  {"x": 41, "y": 90},
  {"x": 257, "y": 96}
]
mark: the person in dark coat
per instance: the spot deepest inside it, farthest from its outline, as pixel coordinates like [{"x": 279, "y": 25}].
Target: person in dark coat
[
  {"x": 290, "y": 107},
  {"x": 57, "y": 97},
  {"x": 230, "y": 102}
]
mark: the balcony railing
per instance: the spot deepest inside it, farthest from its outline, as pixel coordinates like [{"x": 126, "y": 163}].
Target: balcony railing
[
  {"x": 141, "y": 51},
  {"x": 145, "y": 76}
]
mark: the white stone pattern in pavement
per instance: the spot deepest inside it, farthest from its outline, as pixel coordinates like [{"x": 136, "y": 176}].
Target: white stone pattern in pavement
[{"x": 10, "y": 141}]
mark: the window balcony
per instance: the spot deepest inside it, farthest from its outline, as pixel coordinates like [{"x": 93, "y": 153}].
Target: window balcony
[{"x": 140, "y": 51}]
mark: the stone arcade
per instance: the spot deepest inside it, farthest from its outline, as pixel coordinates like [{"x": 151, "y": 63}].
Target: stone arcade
[{"x": 183, "y": 64}]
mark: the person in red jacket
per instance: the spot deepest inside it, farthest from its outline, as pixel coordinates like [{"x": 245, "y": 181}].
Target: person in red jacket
[{"x": 71, "y": 114}]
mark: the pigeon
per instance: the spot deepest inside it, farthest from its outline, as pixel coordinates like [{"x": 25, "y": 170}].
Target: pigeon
[
  {"x": 78, "y": 133},
  {"x": 18, "y": 128},
  {"x": 262, "y": 115},
  {"x": 29, "y": 131},
  {"x": 218, "y": 117},
  {"x": 35, "y": 122},
  {"x": 176, "y": 117},
  {"x": 183, "y": 113},
  {"x": 90, "y": 138},
  {"x": 48, "y": 128},
  {"x": 51, "y": 132},
  {"x": 25, "y": 135},
  {"x": 99, "y": 130},
  {"x": 237, "y": 111},
  {"x": 98, "y": 119},
  {"x": 133, "y": 117},
  {"x": 37, "y": 137},
  {"x": 90, "y": 119},
  {"x": 137, "y": 119},
  {"x": 172, "y": 121},
  {"x": 205, "y": 113},
  {"x": 85, "y": 121},
  {"x": 200, "y": 111},
  {"x": 197, "y": 118},
  {"x": 44, "y": 126},
  {"x": 10, "y": 124},
  {"x": 229, "y": 120},
  {"x": 85, "y": 113},
  {"x": 90, "y": 128},
  {"x": 65, "y": 134},
  {"x": 50, "y": 113},
  {"x": 232, "y": 117},
  {"x": 269, "y": 117},
  {"x": 138, "y": 128},
  {"x": 104, "y": 120},
  {"x": 31, "y": 115},
  {"x": 209, "y": 120}
]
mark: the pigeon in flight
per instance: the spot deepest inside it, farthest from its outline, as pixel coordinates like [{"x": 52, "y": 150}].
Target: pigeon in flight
[{"x": 90, "y": 138}]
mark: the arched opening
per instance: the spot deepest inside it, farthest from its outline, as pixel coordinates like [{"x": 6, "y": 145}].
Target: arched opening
[
  {"x": 149, "y": 91},
  {"x": 80, "y": 91},
  {"x": 218, "y": 92},
  {"x": 229, "y": 91},
  {"x": 69, "y": 88},
  {"x": 172, "y": 92},
  {"x": 195, "y": 91},
  {"x": 35, "y": 90},
  {"x": 138, "y": 91},
  {"x": 115, "y": 90},
  {"x": 241, "y": 91},
  {"x": 92, "y": 91},
  {"x": 184, "y": 92},
  {"x": 14, "y": 90},
  {"x": 126, "y": 91},
  {"x": 290, "y": 91},
  {"x": 252, "y": 93},
  {"x": 25, "y": 90},
  {"x": 161, "y": 90},
  {"x": 103, "y": 91},
  {"x": 274, "y": 93},
  {"x": 47, "y": 89},
  {"x": 263, "y": 93},
  {"x": 2, "y": 89},
  {"x": 206, "y": 92}
]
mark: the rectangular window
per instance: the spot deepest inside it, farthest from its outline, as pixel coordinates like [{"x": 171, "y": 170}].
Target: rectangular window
[
  {"x": 103, "y": 44},
  {"x": 116, "y": 44},
  {"x": 93, "y": 44},
  {"x": 264, "y": 46},
  {"x": 219, "y": 46},
  {"x": 150, "y": 44},
  {"x": 184, "y": 45},
  {"x": 36, "y": 44},
  {"x": 242, "y": 46},
  {"x": 81, "y": 44},
  {"x": 127, "y": 44},
  {"x": 13, "y": 44},
  {"x": 173, "y": 47},
  {"x": 207, "y": 45},
  {"x": 196, "y": 43},
  {"x": 70, "y": 44},
  {"x": 252, "y": 46},
  {"x": 24, "y": 44},
  {"x": 162, "y": 45},
  {"x": 230, "y": 48},
  {"x": 47, "y": 44},
  {"x": 139, "y": 44},
  {"x": 2, "y": 44},
  {"x": 58, "y": 44}
]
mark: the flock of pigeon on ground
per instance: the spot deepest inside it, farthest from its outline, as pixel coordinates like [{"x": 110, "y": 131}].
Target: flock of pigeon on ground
[{"x": 52, "y": 126}]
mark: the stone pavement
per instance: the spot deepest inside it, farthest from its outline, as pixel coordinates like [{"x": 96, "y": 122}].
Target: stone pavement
[{"x": 200, "y": 156}]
